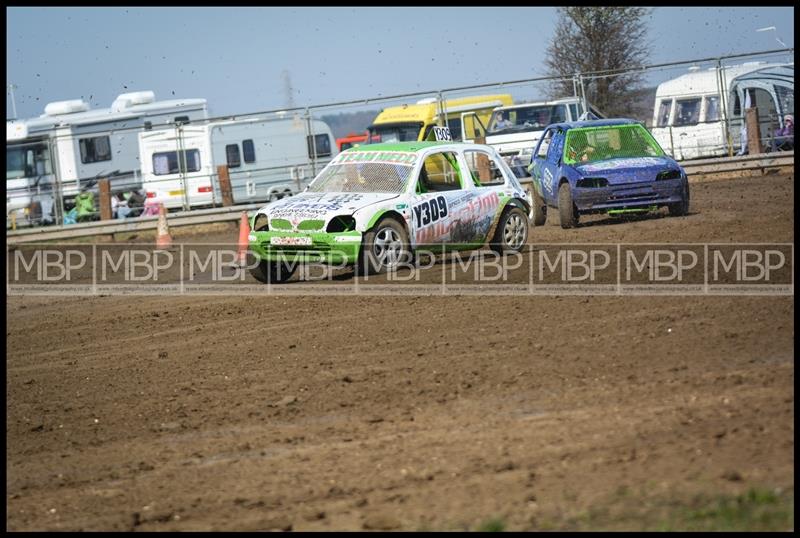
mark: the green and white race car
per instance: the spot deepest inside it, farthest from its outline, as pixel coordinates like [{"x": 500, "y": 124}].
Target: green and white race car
[{"x": 373, "y": 206}]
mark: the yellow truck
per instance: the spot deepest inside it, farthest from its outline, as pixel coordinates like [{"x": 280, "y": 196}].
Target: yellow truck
[{"x": 408, "y": 123}]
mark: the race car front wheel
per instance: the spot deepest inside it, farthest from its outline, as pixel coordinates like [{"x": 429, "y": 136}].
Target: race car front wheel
[
  {"x": 384, "y": 248},
  {"x": 272, "y": 272},
  {"x": 512, "y": 231},
  {"x": 567, "y": 211},
  {"x": 681, "y": 208},
  {"x": 539, "y": 210}
]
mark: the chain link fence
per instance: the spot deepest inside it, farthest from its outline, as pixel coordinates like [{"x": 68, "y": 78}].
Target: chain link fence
[{"x": 695, "y": 109}]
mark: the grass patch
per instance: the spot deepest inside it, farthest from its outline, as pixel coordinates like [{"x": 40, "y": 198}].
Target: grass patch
[
  {"x": 755, "y": 510},
  {"x": 758, "y": 509},
  {"x": 494, "y": 524}
]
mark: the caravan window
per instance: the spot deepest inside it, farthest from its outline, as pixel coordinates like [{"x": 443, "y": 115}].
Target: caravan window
[
  {"x": 249, "y": 151},
  {"x": 27, "y": 161},
  {"x": 687, "y": 111},
  {"x": 96, "y": 149},
  {"x": 232, "y": 156},
  {"x": 786, "y": 99},
  {"x": 322, "y": 143},
  {"x": 663, "y": 112},
  {"x": 712, "y": 108},
  {"x": 167, "y": 162}
]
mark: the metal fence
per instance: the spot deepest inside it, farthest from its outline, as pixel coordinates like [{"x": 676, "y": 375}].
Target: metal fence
[{"x": 275, "y": 153}]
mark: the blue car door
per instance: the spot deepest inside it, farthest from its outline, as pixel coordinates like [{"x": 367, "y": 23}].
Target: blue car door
[{"x": 547, "y": 160}]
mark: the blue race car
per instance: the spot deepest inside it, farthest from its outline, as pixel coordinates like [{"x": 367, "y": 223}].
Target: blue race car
[{"x": 604, "y": 166}]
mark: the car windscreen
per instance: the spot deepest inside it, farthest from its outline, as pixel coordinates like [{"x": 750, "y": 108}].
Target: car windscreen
[
  {"x": 522, "y": 119},
  {"x": 362, "y": 177},
  {"x": 593, "y": 144},
  {"x": 394, "y": 132}
]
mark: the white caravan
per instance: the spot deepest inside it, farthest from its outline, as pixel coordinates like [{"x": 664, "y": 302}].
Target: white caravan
[
  {"x": 70, "y": 145},
  {"x": 514, "y": 130},
  {"x": 266, "y": 160},
  {"x": 689, "y": 117}
]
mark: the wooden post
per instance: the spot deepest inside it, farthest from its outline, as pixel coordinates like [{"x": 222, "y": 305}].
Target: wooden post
[
  {"x": 484, "y": 172},
  {"x": 754, "y": 146},
  {"x": 225, "y": 185},
  {"x": 105, "y": 199}
]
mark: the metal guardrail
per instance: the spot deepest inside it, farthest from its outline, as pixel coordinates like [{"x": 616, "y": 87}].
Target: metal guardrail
[
  {"x": 738, "y": 163},
  {"x": 87, "y": 229},
  {"x": 232, "y": 213}
]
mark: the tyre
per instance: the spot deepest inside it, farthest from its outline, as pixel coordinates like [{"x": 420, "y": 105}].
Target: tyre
[
  {"x": 273, "y": 272},
  {"x": 384, "y": 247},
  {"x": 512, "y": 231},
  {"x": 681, "y": 208},
  {"x": 539, "y": 209},
  {"x": 567, "y": 211}
]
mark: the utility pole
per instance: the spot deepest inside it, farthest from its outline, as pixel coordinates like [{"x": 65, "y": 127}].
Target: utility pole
[
  {"x": 287, "y": 89},
  {"x": 13, "y": 101}
]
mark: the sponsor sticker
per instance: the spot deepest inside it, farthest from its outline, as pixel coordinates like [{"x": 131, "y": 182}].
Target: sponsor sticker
[{"x": 289, "y": 241}]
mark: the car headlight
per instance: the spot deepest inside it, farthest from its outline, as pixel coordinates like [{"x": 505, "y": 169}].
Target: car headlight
[
  {"x": 669, "y": 174},
  {"x": 592, "y": 182},
  {"x": 261, "y": 223}
]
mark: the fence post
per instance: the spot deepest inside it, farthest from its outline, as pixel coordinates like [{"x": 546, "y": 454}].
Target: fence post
[
  {"x": 583, "y": 94},
  {"x": 723, "y": 94},
  {"x": 754, "y": 146},
  {"x": 671, "y": 142},
  {"x": 225, "y": 185},
  {"x": 104, "y": 188}
]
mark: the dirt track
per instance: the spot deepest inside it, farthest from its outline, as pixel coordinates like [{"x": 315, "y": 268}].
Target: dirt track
[{"x": 250, "y": 413}]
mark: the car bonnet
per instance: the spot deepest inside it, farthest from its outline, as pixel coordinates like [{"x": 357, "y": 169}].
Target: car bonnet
[
  {"x": 628, "y": 170},
  {"x": 323, "y": 206}
]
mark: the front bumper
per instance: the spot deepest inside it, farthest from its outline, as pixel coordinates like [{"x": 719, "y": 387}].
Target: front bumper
[
  {"x": 337, "y": 248},
  {"x": 631, "y": 196}
]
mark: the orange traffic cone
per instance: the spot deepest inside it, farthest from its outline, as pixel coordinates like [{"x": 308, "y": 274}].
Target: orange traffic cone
[
  {"x": 244, "y": 242},
  {"x": 164, "y": 239}
]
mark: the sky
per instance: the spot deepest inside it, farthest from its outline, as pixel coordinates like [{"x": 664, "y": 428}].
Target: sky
[{"x": 236, "y": 57}]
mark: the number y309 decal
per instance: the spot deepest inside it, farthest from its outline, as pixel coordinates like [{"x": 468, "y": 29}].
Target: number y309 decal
[{"x": 430, "y": 211}]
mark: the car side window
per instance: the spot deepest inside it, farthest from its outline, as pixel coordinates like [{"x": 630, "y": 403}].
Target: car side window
[
  {"x": 439, "y": 172},
  {"x": 557, "y": 142},
  {"x": 544, "y": 145},
  {"x": 484, "y": 169}
]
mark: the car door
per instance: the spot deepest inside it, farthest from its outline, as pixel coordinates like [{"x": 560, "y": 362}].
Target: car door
[
  {"x": 473, "y": 221},
  {"x": 546, "y": 160},
  {"x": 442, "y": 188}
]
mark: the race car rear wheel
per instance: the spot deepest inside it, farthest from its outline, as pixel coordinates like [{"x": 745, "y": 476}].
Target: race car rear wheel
[
  {"x": 512, "y": 231},
  {"x": 272, "y": 272},
  {"x": 681, "y": 208},
  {"x": 384, "y": 247},
  {"x": 539, "y": 209},
  {"x": 567, "y": 211}
]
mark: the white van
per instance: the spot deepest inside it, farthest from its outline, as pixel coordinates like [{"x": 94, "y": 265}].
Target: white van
[
  {"x": 266, "y": 159},
  {"x": 514, "y": 130},
  {"x": 689, "y": 115}
]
